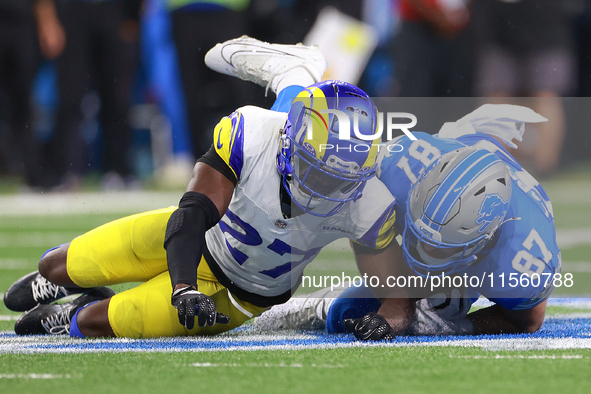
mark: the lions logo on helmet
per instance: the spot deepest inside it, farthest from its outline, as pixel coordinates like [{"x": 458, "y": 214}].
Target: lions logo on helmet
[
  {"x": 322, "y": 172},
  {"x": 493, "y": 207},
  {"x": 454, "y": 210}
]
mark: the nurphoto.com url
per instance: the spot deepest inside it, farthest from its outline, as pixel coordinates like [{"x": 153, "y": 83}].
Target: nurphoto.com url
[{"x": 489, "y": 280}]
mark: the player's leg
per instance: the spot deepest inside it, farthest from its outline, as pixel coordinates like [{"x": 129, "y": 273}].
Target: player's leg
[
  {"x": 146, "y": 311},
  {"x": 34, "y": 288},
  {"x": 322, "y": 309},
  {"x": 126, "y": 250},
  {"x": 53, "y": 266},
  {"x": 273, "y": 66},
  {"x": 101, "y": 257}
]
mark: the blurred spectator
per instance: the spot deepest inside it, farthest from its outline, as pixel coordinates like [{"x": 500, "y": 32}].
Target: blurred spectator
[
  {"x": 582, "y": 27},
  {"x": 198, "y": 25},
  {"x": 100, "y": 52},
  {"x": 19, "y": 59},
  {"x": 433, "y": 49},
  {"x": 525, "y": 49}
]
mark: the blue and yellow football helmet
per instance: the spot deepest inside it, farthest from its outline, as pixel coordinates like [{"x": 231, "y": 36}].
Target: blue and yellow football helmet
[{"x": 328, "y": 147}]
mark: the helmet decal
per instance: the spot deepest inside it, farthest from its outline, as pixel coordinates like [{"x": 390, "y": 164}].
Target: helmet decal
[{"x": 493, "y": 207}]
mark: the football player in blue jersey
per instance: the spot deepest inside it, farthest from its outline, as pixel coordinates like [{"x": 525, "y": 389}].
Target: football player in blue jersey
[
  {"x": 493, "y": 222},
  {"x": 275, "y": 188},
  {"x": 464, "y": 207}
]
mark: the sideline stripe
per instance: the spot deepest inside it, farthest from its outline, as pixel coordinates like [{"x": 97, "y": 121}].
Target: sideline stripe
[{"x": 556, "y": 334}]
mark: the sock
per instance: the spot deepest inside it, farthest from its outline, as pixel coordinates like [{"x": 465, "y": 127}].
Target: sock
[
  {"x": 74, "y": 330},
  {"x": 283, "y": 101},
  {"x": 49, "y": 250},
  {"x": 298, "y": 76}
]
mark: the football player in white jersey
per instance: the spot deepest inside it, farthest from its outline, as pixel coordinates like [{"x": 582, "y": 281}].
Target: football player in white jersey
[{"x": 272, "y": 191}]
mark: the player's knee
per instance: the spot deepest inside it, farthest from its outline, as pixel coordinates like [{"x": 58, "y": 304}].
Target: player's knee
[
  {"x": 53, "y": 264},
  {"x": 93, "y": 320},
  {"x": 533, "y": 327}
]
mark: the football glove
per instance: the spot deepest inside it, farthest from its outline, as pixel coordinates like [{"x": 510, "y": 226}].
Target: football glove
[
  {"x": 371, "y": 327},
  {"x": 189, "y": 301},
  {"x": 443, "y": 314}
]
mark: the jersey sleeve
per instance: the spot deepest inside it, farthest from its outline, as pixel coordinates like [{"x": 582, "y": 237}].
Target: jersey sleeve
[
  {"x": 228, "y": 141},
  {"x": 374, "y": 216},
  {"x": 382, "y": 232}
]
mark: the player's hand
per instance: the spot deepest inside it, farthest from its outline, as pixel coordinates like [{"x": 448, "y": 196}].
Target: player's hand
[
  {"x": 371, "y": 327},
  {"x": 443, "y": 314},
  {"x": 188, "y": 301}
]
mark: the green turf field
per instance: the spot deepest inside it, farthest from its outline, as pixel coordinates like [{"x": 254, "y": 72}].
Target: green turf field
[
  {"x": 26, "y": 232},
  {"x": 406, "y": 370}
]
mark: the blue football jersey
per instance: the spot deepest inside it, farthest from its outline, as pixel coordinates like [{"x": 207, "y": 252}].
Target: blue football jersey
[{"x": 517, "y": 270}]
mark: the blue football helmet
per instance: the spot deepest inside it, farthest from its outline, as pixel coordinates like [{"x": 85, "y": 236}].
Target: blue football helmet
[
  {"x": 453, "y": 210},
  {"x": 324, "y": 163}
]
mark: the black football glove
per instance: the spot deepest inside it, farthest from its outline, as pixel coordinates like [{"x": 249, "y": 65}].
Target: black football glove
[
  {"x": 188, "y": 300},
  {"x": 371, "y": 327}
]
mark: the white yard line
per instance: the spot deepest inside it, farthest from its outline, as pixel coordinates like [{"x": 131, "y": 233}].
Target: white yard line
[
  {"x": 30, "y": 345},
  {"x": 14, "y": 264},
  {"x": 9, "y": 317},
  {"x": 523, "y": 356},
  {"x": 85, "y": 203},
  {"x": 34, "y": 376},
  {"x": 36, "y": 238},
  {"x": 567, "y": 238}
]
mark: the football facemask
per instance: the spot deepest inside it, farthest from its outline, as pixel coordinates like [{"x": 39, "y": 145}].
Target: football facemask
[{"x": 322, "y": 172}]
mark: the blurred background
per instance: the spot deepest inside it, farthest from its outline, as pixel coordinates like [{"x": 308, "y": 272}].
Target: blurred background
[{"x": 114, "y": 94}]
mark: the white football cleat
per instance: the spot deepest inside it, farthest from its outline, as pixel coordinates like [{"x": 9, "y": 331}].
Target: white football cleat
[
  {"x": 264, "y": 63},
  {"x": 307, "y": 313}
]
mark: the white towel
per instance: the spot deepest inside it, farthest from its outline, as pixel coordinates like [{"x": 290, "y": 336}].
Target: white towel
[{"x": 505, "y": 121}]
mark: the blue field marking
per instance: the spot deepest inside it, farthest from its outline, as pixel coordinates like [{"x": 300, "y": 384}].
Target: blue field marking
[
  {"x": 568, "y": 331},
  {"x": 557, "y": 333}
]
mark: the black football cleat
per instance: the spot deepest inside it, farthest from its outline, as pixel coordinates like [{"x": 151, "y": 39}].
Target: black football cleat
[
  {"x": 33, "y": 289},
  {"x": 55, "y": 319}
]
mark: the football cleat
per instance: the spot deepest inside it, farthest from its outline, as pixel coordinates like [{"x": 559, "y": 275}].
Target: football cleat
[
  {"x": 263, "y": 63},
  {"x": 55, "y": 319},
  {"x": 33, "y": 289},
  {"x": 299, "y": 313}
]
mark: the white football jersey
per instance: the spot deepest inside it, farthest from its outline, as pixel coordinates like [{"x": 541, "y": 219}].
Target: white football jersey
[{"x": 258, "y": 249}]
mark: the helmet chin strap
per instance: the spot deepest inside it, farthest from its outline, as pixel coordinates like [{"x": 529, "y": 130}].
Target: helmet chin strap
[{"x": 302, "y": 197}]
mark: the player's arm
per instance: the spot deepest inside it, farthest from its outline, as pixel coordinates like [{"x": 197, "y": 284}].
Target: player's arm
[
  {"x": 496, "y": 320},
  {"x": 51, "y": 33},
  {"x": 398, "y": 309},
  {"x": 205, "y": 202},
  {"x": 201, "y": 207},
  {"x": 207, "y": 198}
]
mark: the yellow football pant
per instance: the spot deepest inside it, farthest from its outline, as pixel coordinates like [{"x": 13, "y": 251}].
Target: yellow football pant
[{"x": 131, "y": 250}]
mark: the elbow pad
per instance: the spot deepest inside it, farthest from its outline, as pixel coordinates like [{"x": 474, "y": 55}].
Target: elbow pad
[{"x": 185, "y": 236}]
